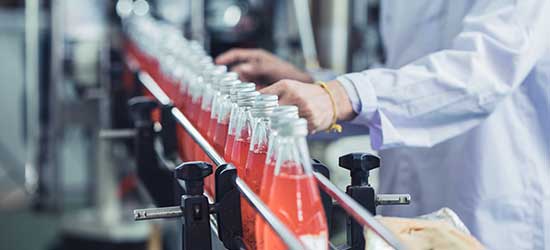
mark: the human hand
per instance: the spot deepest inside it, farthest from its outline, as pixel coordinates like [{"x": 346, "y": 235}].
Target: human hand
[
  {"x": 260, "y": 66},
  {"x": 313, "y": 101}
]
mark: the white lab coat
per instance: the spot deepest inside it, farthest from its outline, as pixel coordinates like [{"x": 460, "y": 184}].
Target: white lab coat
[{"x": 462, "y": 114}]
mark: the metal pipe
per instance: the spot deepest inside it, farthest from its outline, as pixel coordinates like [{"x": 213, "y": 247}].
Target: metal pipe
[
  {"x": 157, "y": 213},
  {"x": 117, "y": 133},
  {"x": 286, "y": 235},
  {"x": 154, "y": 88},
  {"x": 31, "y": 95},
  {"x": 358, "y": 212}
]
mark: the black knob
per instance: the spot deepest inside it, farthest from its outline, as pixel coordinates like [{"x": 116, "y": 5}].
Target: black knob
[
  {"x": 193, "y": 174},
  {"x": 359, "y": 165},
  {"x": 141, "y": 108}
]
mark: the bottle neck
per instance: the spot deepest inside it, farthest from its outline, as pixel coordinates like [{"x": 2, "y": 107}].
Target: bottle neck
[{"x": 291, "y": 156}]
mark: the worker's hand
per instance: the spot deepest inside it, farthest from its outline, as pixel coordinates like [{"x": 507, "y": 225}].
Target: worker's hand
[
  {"x": 313, "y": 101},
  {"x": 260, "y": 66}
]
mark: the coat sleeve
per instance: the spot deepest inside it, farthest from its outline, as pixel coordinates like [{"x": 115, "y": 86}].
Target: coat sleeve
[{"x": 450, "y": 91}]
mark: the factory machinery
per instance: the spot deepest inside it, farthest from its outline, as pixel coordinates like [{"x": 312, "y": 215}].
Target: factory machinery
[{"x": 189, "y": 175}]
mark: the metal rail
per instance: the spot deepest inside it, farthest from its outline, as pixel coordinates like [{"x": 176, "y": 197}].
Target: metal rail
[
  {"x": 358, "y": 212},
  {"x": 285, "y": 234},
  {"x": 154, "y": 88}
]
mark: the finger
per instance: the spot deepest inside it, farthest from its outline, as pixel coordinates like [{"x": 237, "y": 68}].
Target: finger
[
  {"x": 236, "y": 55},
  {"x": 245, "y": 68},
  {"x": 246, "y": 71},
  {"x": 279, "y": 88}
]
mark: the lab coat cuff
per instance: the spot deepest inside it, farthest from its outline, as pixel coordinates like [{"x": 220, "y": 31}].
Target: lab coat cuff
[{"x": 362, "y": 96}]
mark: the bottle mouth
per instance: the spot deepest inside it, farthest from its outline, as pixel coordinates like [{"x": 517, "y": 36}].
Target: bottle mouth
[
  {"x": 225, "y": 86},
  {"x": 247, "y": 98},
  {"x": 264, "y": 102},
  {"x": 241, "y": 87},
  {"x": 219, "y": 80},
  {"x": 262, "y": 112},
  {"x": 285, "y": 111}
]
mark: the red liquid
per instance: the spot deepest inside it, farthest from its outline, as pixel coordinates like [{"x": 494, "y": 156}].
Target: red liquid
[
  {"x": 228, "y": 149},
  {"x": 295, "y": 200},
  {"x": 180, "y": 132},
  {"x": 253, "y": 174},
  {"x": 211, "y": 130},
  {"x": 186, "y": 138},
  {"x": 202, "y": 125},
  {"x": 220, "y": 136},
  {"x": 265, "y": 188},
  {"x": 200, "y": 155},
  {"x": 240, "y": 154},
  {"x": 193, "y": 117}
]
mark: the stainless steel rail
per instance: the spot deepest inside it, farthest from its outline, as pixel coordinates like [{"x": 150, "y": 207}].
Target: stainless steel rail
[
  {"x": 154, "y": 88},
  {"x": 358, "y": 212},
  {"x": 285, "y": 234}
]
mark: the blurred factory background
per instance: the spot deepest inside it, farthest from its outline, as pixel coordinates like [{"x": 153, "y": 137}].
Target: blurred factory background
[{"x": 61, "y": 182}]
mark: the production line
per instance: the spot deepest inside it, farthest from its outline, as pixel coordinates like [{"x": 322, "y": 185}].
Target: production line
[
  {"x": 288, "y": 124},
  {"x": 168, "y": 84}
]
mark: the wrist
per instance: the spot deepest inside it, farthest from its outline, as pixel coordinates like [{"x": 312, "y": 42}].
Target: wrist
[{"x": 343, "y": 102}]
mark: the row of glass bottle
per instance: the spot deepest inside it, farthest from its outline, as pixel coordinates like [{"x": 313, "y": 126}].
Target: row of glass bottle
[{"x": 265, "y": 142}]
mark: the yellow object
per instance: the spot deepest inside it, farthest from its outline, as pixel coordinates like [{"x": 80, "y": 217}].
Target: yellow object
[{"x": 334, "y": 126}]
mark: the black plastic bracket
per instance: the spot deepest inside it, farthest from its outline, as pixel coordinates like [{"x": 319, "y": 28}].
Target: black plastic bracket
[
  {"x": 228, "y": 207},
  {"x": 360, "y": 190},
  {"x": 194, "y": 205},
  {"x": 169, "y": 141},
  {"x": 158, "y": 180}
]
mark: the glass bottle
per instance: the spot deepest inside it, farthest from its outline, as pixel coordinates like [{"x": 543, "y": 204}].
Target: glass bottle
[
  {"x": 229, "y": 78},
  {"x": 277, "y": 117},
  {"x": 195, "y": 105},
  {"x": 243, "y": 130},
  {"x": 294, "y": 196},
  {"x": 234, "y": 109},
  {"x": 225, "y": 81},
  {"x": 222, "y": 107},
  {"x": 189, "y": 88},
  {"x": 256, "y": 153},
  {"x": 206, "y": 95},
  {"x": 207, "y": 89}
]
